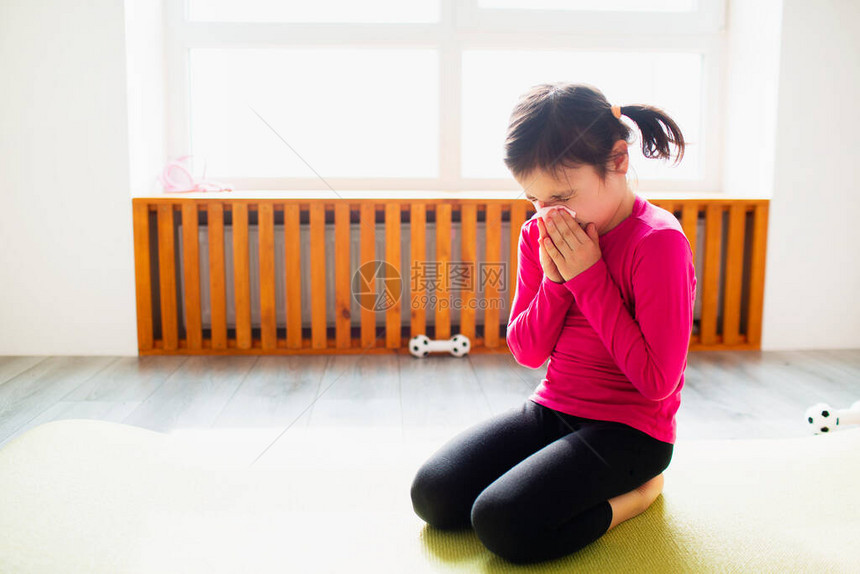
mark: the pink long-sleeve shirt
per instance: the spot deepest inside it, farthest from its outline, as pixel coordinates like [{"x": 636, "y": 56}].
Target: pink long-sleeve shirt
[{"x": 617, "y": 334}]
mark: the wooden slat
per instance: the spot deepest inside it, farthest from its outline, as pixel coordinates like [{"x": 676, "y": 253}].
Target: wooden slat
[
  {"x": 217, "y": 276},
  {"x": 342, "y": 297},
  {"x": 442, "y": 328},
  {"x": 167, "y": 278},
  {"x": 241, "y": 276},
  {"x": 732, "y": 284},
  {"x": 142, "y": 274},
  {"x": 367, "y": 284},
  {"x": 711, "y": 276},
  {"x": 191, "y": 274},
  {"x": 417, "y": 278},
  {"x": 468, "y": 271},
  {"x": 689, "y": 219},
  {"x": 392, "y": 273},
  {"x": 758, "y": 257},
  {"x": 491, "y": 281},
  {"x": 318, "y": 303},
  {"x": 518, "y": 218},
  {"x": 293, "y": 266},
  {"x": 268, "y": 313}
]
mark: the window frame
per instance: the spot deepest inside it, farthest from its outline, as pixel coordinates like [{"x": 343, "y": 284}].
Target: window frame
[{"x": 462, "y": 26}]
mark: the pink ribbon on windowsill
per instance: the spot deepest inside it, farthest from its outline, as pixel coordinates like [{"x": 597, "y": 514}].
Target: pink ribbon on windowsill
[{"x": 177, "y": 178}]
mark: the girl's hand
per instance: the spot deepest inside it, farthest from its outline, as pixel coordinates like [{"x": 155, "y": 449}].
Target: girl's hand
[
  {"x": 549, "y": 268},
  {"x": 572, "y": 249}
]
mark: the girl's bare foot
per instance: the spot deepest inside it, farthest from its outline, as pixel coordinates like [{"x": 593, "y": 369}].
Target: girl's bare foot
[{"x": 636, "y": 501}]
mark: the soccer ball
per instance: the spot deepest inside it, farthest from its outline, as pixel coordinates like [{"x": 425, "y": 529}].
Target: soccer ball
[
  {"x": 461, "y": 345},
  {"x": 821, "y": 418},
  {"x": 419, "y": 345}
]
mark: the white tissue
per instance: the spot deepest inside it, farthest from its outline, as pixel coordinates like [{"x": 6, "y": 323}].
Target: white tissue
[{"x": 543, "y": 211}]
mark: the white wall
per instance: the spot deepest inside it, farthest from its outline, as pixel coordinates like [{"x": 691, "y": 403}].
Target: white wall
[
  {"x": 65, "y": 143},
  {"x": 66, "y": 255},
  {"x": 144, "y": 45},
  {"x": 812, "y": 284}
]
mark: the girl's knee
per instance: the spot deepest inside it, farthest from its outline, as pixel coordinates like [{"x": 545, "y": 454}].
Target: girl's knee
[
  {"x": 433, "y": 499},
  {"x": 426, "y": 492},
  {"x": 501, "y": 529}
]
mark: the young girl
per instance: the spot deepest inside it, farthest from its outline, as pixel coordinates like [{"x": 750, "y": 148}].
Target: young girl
[{"x": 607, "y": 295}]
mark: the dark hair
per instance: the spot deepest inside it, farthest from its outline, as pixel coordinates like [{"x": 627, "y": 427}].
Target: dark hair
[{"x": 556, "y": 125}]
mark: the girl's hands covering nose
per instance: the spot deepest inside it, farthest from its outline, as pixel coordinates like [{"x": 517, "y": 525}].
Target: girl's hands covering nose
[
  {"x": 571, "y": 249},
  {"x": 549, "y": 268}
]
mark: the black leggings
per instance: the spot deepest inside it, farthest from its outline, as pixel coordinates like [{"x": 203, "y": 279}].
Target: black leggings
[{"x": 535, "y": 483}]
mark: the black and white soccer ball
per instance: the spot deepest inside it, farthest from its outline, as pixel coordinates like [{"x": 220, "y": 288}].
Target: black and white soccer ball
[
  {"x": 419, "y": 345},
  {"x": 821, "y": 418},
  {"x": 461, "y": 345}
]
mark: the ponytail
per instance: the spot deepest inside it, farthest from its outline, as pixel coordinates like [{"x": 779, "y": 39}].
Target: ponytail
[{"x": 654, "y": 123}]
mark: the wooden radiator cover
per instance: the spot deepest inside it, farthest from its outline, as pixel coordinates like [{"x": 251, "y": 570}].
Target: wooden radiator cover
[{"x": 729, "y": 255}]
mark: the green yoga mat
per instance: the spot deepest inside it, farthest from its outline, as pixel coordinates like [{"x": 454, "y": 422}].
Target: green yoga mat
[{"x": 90, "y": 496}]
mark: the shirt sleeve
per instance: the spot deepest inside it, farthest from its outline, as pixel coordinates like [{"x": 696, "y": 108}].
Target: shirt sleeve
[
  {"x": 538, "y": 310},
  {"x": 651, "y": 347}
]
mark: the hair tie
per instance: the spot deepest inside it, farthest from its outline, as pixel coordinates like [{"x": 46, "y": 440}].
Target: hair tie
[{"x": 616, "y": 111}]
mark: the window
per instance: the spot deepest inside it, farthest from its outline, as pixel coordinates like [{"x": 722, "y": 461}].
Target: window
[
  {"x": 492, "y": 79},
  {"x": 346, "y": 112},
  {"x": 391, "y": 95}
]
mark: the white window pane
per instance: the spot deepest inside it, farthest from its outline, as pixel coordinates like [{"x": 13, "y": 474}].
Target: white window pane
[
  {"x": 595, "y": 5},
  {"x": 493, "y": 81},
  {"x": 317, "y": 11},
  {"x": 347, "y": 112}
]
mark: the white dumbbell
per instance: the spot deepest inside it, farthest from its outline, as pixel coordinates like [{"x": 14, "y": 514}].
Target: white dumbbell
[
  {"x": 421, "y": 345},
  {"x": 823, "y": 418}
]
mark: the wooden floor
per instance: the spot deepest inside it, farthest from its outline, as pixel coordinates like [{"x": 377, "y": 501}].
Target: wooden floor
[{"x": 727, "y": 394}]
